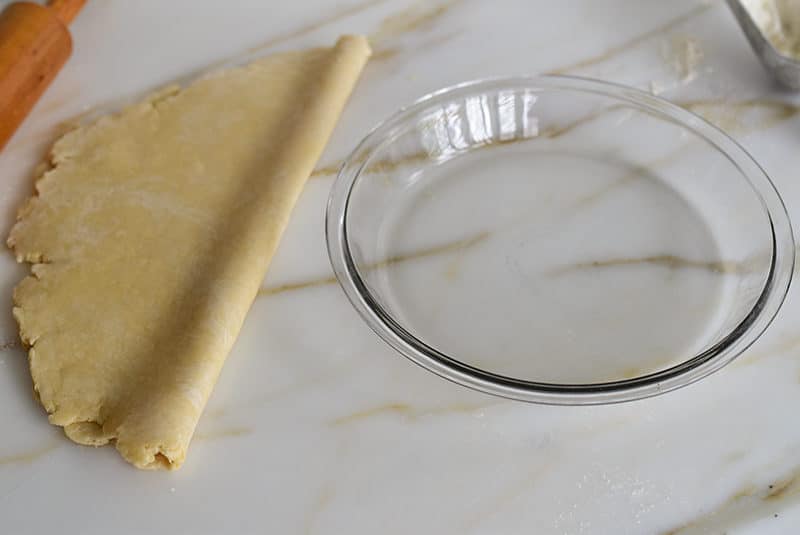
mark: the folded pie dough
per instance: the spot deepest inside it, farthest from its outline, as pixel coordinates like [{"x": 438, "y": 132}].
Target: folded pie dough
[{"x": 150, "y": 236}]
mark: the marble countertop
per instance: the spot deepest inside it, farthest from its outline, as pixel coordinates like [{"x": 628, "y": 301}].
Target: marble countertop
[{"x": 315, "y": 425}]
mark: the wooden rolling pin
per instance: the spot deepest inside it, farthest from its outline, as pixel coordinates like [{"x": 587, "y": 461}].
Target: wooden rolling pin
[{"x": 34, "y": 45}]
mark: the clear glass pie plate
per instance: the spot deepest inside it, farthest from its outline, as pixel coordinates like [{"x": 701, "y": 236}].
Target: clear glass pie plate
[{"x": 559, "y": 240}]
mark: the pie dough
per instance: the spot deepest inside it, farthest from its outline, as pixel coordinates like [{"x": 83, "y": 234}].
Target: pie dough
[{"x": 150, "y": 236}]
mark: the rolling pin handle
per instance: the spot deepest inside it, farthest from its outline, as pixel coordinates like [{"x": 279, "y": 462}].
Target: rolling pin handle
[{"x": 66, "y": 10}]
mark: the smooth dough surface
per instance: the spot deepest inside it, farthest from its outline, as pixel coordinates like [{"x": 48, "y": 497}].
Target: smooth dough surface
[{"x": 150, "y": 236}]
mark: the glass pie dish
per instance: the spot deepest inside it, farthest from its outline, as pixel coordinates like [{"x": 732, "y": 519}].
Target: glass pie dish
[{"x": 559, "y": 240}]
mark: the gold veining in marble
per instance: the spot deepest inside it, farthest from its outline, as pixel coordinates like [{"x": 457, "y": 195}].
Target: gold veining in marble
[
  {"x": 407, "y": 20},
  {"x": 385, "y": 166},
  {"x": 415, "y": 255},
  {"x": 384, "y": 54},
  {"x": 94, "y": 111},
  {"x": 452, "y": 270},
  {"x": 784, "y": 487},
  {"x": 408, "y": 412},
  {"x": 732, "y": 116},
  {"x": 400, "y": 409},
  {"x": 779, "y": 111},
  {"x": 744, "y": 492},
  {"x": 633, "y": 41},
  {"x": 555, "y": 131},
  {"x": 728, "y": 115},
  {"x": 746, "y": 505},
  {"x": 326, "y": 170},
  {"x": 784, "y": 111},
  {"x": 10, "y": 344},
  {"x": 214, "y": 413},
  {"x": 513, "y": 491},
  {"x": 282, "y": 288},
  {"x": 321, "y": 502},
  {"x": 735, "y": 456},
  {"x": 315, "y": 25},
  {"x": 380, "y": 166},
  {"x": 27, "y": 457},
  {"x": 781, "y": 348},
  {"x": 444, "y": 248},
  {"x": 411, "y": 19},
  {"x": 665, "y": 260},
  {"x": 222, "y": 433},
  {"x": 460, "y": 245},
  {"x": 635, "y": 173}
]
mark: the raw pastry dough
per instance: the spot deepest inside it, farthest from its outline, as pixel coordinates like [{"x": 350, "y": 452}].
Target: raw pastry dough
[{"x": 150, "y": 236}]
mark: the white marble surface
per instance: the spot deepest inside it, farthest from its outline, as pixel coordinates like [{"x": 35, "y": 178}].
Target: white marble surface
[{"x": 315, "y": 426}]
